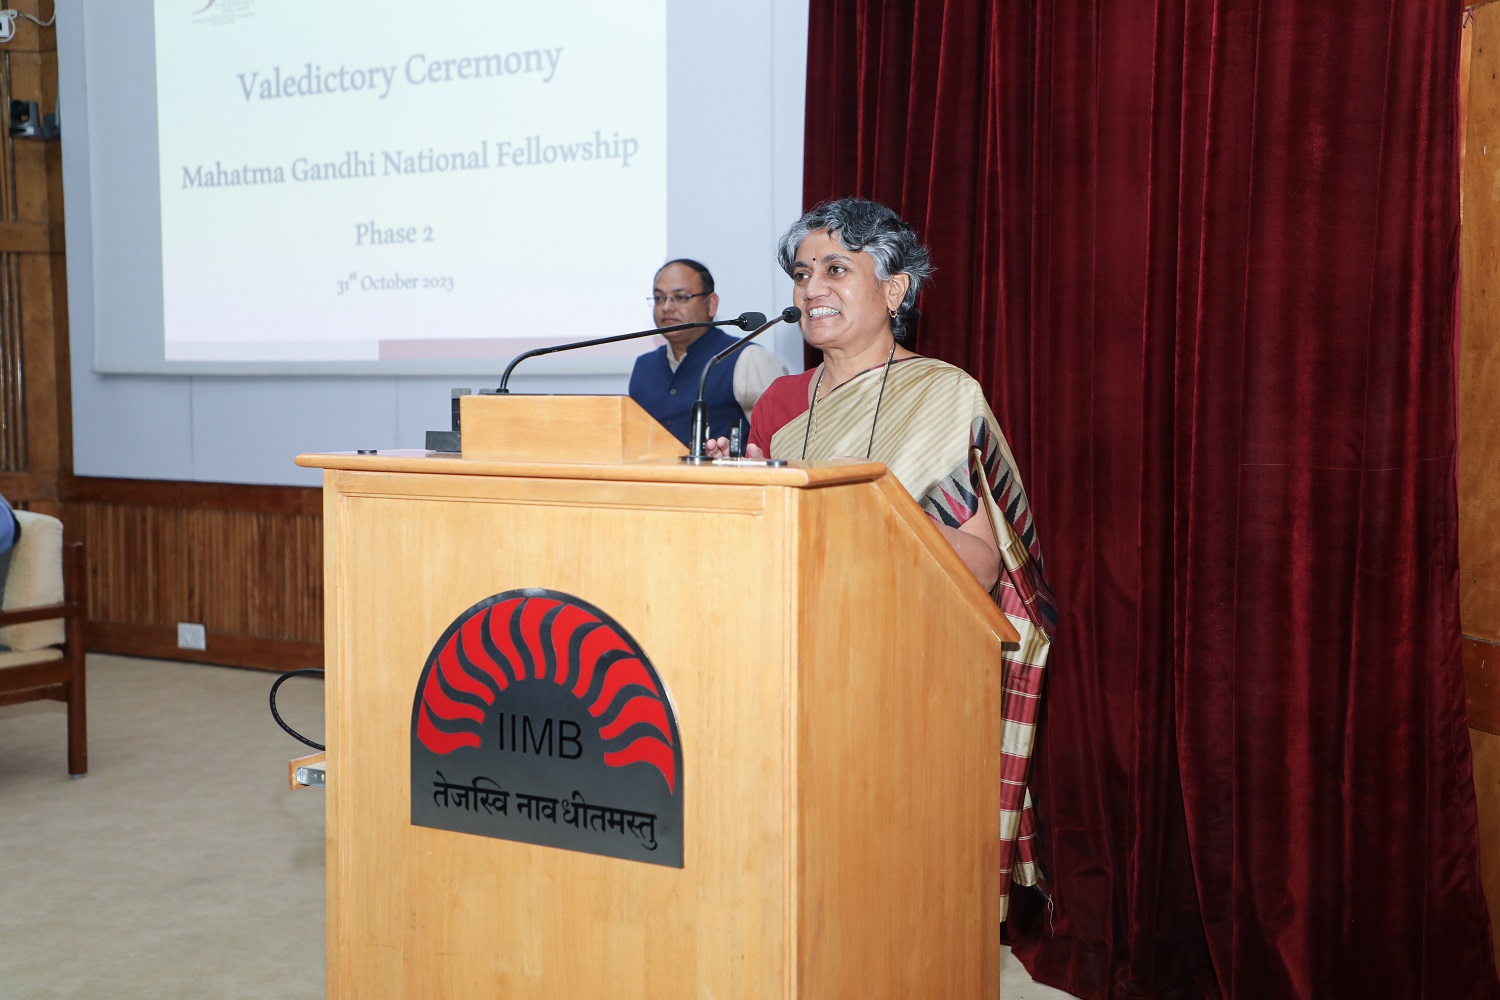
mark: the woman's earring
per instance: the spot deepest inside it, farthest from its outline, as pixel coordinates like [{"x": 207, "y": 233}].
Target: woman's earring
[{"x": 893, "y": 314}]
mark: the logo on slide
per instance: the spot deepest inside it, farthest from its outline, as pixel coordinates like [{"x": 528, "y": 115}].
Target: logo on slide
[
  {"x": 223, "y": 11},
  {"x": 537, "y": 718}
]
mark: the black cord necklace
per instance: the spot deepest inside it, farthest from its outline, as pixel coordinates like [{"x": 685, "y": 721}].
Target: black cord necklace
[{"x": 879, "y": 398}]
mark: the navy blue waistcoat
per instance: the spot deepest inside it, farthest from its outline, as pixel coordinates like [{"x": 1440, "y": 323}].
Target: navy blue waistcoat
[{"x": 669, "y": 396}]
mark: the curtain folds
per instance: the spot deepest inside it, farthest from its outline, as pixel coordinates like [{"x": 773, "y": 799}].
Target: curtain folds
[{"x": 1203, "y": 257}]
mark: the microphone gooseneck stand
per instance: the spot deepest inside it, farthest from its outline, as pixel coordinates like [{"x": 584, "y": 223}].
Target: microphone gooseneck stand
[
  {"x": 744, "y": 321},
  {"x": 790, "y": 314}
]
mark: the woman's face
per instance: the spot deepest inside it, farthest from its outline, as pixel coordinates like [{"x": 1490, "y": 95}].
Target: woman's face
[{"x": 844, "y": 305}]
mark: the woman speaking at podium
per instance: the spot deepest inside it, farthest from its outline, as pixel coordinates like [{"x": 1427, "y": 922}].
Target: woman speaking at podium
[{"x": 856, "y": 268}]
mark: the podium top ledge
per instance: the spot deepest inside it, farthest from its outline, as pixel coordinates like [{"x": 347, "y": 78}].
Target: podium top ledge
[{"x": 656, "y": 470}]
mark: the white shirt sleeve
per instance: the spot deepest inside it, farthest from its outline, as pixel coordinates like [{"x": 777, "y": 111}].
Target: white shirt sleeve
[{"x": 754, "y": 370}]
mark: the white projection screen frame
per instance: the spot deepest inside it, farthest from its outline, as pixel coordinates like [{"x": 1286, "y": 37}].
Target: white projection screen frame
[{"x": 379, "y": 188}]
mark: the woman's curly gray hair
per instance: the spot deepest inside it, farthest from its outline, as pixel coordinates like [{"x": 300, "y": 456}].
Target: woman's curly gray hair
[{"x": 869, "y": 227}]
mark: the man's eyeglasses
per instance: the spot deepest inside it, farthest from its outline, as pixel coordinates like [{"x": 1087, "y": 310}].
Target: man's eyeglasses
[{"x": 680, "y": 298}]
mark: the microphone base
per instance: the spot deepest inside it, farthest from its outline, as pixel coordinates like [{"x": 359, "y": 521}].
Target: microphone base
[
  {"x": 697, "y": 459},
  {"x": 446, "y": 442}
]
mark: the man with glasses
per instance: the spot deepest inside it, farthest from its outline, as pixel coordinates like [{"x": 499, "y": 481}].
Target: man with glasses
[{"x": 665, "y": 381}]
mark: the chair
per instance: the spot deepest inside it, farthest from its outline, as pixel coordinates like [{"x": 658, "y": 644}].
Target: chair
[{"x": 42, "y": 616}]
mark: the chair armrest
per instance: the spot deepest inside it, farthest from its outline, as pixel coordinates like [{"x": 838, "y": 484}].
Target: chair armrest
[{"x": 41, "y": 614}]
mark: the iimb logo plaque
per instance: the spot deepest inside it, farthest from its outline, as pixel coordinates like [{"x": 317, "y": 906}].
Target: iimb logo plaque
[{"x": 539, "y": 719}]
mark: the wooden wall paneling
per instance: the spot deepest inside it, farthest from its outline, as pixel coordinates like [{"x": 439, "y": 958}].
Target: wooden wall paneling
[
  {"x": 8, "y": 160},
  {"x": 1487, "y": 792},
  {"x": 62, "y": 385},
  {"x": 30, "y": 36},
  {"x": 302, "y": 500},
  {"x": 36, "y": 229},
  {"x": 1482, "y": 671},
  {"x": 35, "y": 424},
  {"x": 44, "y": 377},
  {"x": 22, "y": 488},
  {"x": 1479, "y": 354},
  {"x": 33, "y": 77},
  {"x": 58, "y": 405},
  {"x": 243, "y": 561},
  {"x": 13, "y": 456},
  {"x": 1479, "y": 424},
  {"x": 159, "y": 642}
]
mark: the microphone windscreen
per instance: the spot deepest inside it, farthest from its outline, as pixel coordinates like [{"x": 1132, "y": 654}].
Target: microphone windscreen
[
  {"x": 791, "y": 314},
  {"x": 749, "y": 321}
]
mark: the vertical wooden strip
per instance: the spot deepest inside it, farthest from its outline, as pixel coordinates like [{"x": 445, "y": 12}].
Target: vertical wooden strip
[
  {"x": 35, "y": 425},
  {"x": 8, "y": 161},
  {"x": 1482, "y": 676},
  {"x": 37, "y": 329},
  {"x": 1487, "y": 793},
  {"x": 12, "y": 381},
  {"x": 1479, "y": 357},
  {"x": 12, "y": 406},
  {"x": 1479, "y": 409}
]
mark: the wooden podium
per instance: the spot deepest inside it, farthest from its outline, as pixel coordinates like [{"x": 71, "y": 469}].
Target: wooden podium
[{"x": 835, "y": 674}]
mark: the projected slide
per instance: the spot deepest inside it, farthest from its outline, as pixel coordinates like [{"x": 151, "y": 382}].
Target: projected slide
[{"x": 371, "y": 180}]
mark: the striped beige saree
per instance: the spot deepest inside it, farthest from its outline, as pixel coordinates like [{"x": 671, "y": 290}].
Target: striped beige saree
[{"x": 937, "y": 435}]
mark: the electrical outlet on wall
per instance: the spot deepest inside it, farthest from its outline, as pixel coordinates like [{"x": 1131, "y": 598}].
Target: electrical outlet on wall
[{"x": 191, "y": 635}]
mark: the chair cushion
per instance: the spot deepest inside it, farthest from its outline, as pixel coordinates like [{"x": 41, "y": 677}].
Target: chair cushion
[
  {"x": 27, "y": 659},
  {"x": 35, "y": 580}
]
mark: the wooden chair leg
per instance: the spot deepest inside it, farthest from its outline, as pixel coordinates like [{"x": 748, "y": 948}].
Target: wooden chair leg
[{"x": 78, "y": 731}]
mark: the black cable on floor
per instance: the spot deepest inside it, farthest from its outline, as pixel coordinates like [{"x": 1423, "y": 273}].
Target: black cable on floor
[{"x": 277, "y": 716}]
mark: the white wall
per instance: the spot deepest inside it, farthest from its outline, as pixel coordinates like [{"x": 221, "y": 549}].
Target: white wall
[{"x": 736, "y": 73}]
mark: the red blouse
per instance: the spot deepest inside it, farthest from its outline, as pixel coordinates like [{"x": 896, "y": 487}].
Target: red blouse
[{"x": 781, "y": 403}]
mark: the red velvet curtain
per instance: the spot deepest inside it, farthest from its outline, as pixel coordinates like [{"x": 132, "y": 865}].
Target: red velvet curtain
[{"x": 1203, "y": 256}]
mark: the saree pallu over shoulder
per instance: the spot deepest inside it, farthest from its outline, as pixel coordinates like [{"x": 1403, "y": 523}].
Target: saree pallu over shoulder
[{"x": 936, "y": 433}]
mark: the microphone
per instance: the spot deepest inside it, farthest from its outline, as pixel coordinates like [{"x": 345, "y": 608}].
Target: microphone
[
  {"x": 744, "y": 321},
  {"x": 790, "y": 314}
]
